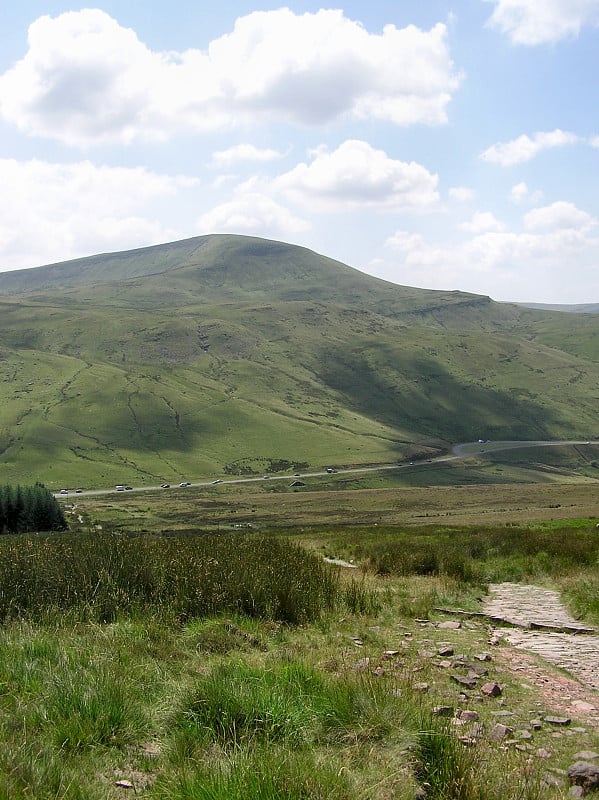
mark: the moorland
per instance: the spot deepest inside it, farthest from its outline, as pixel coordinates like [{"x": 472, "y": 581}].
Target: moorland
[{"x": 271, "y": 641}]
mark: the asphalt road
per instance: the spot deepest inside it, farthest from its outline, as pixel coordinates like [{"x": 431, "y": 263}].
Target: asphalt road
[{"x": 458, "y": 451}]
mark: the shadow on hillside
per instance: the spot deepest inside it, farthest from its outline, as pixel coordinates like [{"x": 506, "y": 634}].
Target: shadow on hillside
[{"x": 423, "y": 396}]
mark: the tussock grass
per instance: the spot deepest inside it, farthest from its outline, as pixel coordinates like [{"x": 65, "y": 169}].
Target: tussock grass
[
  {"x": 106, "y": 576},
  {"x": 473, "y": 554}
]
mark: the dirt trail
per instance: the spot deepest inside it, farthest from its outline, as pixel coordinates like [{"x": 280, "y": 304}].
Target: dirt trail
[{"x": 525, "y": 607}]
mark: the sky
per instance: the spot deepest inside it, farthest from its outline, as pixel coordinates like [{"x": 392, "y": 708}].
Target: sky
[{"x": 441, "y": 144}]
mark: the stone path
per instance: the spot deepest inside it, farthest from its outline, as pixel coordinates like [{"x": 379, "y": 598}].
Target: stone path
[{"x": 530, "y": 607}]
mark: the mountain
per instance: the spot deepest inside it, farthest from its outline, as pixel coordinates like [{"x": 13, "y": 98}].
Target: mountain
[
  {"x": 580, "y": 308},
  {"x": 236, "y": 354}
]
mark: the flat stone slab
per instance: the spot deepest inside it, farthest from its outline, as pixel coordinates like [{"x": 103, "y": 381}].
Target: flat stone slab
[{"x": 544, "y": 626}]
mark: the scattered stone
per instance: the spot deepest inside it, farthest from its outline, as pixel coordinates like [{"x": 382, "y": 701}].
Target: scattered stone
[
  {"x": 445, "y": 664},
  {"x": 469, "y": 741},
  {"x": 465, "y": 680},
  {"x": 552, "y": 780},
  {"x": 421, "y": 687},
  {"x": 478, "y": 730},
  {"x": 356, "y": 641},
  {"x": 362, "y": 664},
  {"x": 426, "y": 654},
  {"x": 562, "y": 721},
  {"x": 124, "y": 784},
  {"x": 584, "y": 707},
  {"x": 391, "y": 653},
  {"x": 491, "y": 689},
  {"x": 420, "y": 794},
  {"x": 451, "y": 624},
  {"x": 524, "y": 734},
  {"x": 445, "y": 651},
  {"x": 542, "y": 753},
  {"x": 585, "y": 774},
  {"x": 499, "y": 732},
  {"x": 468, "y": 716},
  {"x": 443, "y": 711},
  {"x": 536, "y": 724},
  {"x": 483, "y": 657},
  {"x": 576, "y": 791},
  {"x": 586, "y": 755}
]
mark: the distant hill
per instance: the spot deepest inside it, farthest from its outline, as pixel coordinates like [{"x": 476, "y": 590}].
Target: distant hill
[
  {"x": 232, "y": 354},
  {"x": 581, "y": 308}
]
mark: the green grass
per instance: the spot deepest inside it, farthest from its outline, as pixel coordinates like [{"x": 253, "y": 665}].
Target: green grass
[
  {"x": 235, "y": 702},
  {"x": 103, "y": 576},
  {"x": 239, "y": 351}
]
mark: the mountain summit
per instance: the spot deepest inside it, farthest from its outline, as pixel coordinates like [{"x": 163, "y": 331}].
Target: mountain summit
[{"x": 230, "y": 354}]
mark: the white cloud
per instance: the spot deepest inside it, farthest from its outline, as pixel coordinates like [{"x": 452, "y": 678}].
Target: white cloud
[
  {"x": 533, "y": 22},
  {"x": 251, "y": 212},
  {"x": 522, "y": 149},
  {"x": 356, "y": 175},
  {"x": 482, "y": 221},
  {"x": 520, "y": 193},
  {"x": 535, "y": 264},
  {"x": 559, "y": 215},
  {"x": 86, "y": 80},
  {"x": 461, "y": 193},
  {"x": 594, "y": 141},
  {"x": 55, "y": 212},
  {"x": 244, "y": 152}
]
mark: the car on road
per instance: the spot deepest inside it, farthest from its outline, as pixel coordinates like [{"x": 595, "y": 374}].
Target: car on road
[
  {"x": 128, "y": 488},
  {"x": 183, "y": 484},
  {"x": 218, "y": 480},
  {"x": 165, "y": 486},
  {"x": 78, "y": 491},
  {"x": 266, "y": 477},
  {"x": 64, "y": 491}
]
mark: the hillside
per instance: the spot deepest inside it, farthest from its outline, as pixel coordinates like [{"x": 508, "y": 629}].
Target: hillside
[{"x": 229, "y": 353}]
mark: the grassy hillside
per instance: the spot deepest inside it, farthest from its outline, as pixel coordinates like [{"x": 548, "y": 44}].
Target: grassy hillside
[{"x": 228, "y": 353}]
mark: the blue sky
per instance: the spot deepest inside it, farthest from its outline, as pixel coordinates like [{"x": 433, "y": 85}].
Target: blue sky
[{"x": 446, "y": 145}]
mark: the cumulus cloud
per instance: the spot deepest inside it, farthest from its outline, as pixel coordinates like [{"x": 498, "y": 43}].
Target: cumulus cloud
[
  {"x": 244, "y": 152},
  {"x": 531, "y": 264},
  {"x": 252, "y": 212},
  {"x": 86, "y": 80},
  {"x": 534, "y": 22},
  {"x": 356, "y": 175},
  {"x": 482, "y": 221},
  {"x": 461, "y": 193},
  {"x": 520, "y": 193},
  {"x": 524, "y": 148},
  {"x": 55, "y": 212},
  {"x": 558, "y": 216}
]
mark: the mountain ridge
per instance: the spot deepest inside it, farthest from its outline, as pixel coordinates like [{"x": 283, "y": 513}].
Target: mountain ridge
[{"x": 227, "y": 353}]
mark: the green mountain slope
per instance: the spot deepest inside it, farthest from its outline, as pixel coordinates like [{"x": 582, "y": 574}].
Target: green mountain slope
[{"x": 228, "y": 353}]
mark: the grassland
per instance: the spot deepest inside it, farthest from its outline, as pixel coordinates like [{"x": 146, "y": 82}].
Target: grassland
[
  {"x": 199, "y": 357},
  {"x": 171, "y": 655}
]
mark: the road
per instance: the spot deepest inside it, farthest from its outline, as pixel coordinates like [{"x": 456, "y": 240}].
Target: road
[{"x": 458, "y": 451}]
